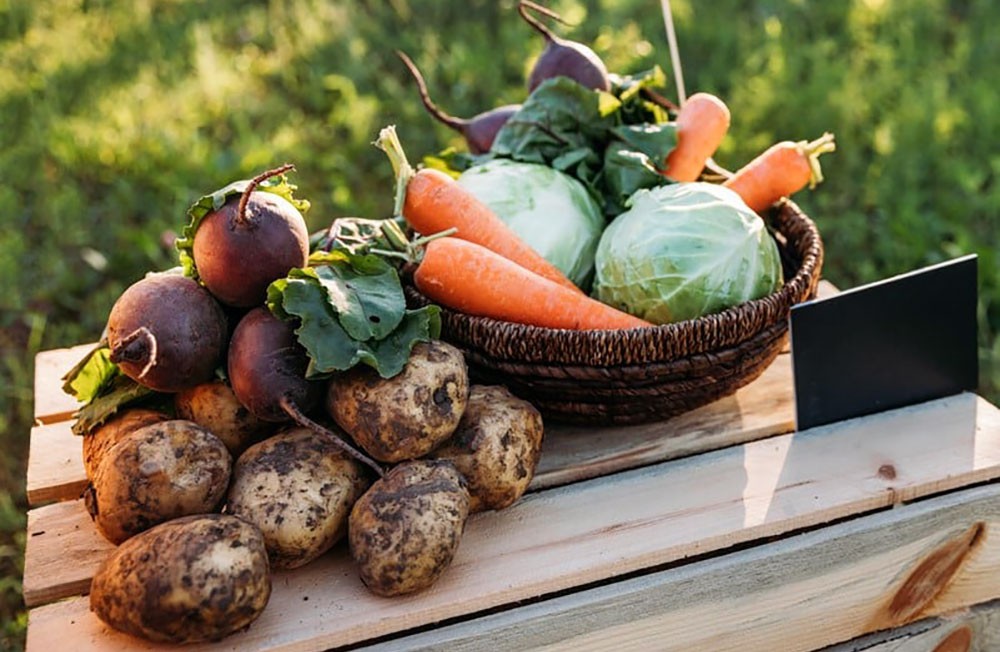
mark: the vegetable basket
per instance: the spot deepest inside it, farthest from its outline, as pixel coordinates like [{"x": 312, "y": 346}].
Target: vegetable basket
[{"x": 646, "y": 374}]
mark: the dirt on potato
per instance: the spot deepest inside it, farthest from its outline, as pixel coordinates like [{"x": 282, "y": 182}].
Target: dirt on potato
[
  {"x": 406, "y": 528},
  {"x": 404, "y": 417},
  {"x": 99, "y": 441},
  {"x": 496, "y": 447},
  {"x": 197, "y": 578}
]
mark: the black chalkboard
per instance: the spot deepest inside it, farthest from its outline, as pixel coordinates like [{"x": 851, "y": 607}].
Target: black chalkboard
[{"x": 904, "y": 340}]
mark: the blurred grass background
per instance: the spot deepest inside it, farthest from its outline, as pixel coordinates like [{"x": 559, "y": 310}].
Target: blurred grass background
[{"x": 114, "y": 116}]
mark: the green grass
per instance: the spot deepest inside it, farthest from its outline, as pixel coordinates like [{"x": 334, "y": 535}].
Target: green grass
[{"x": 115, "y": 115}]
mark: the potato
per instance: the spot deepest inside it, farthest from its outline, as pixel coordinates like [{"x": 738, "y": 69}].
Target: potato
[
  {"x": 102, "y": 438},
  {"x": 404, "y": 531},
  {"x": 407, "y": 416},
  {"x": 157, "y": 473},
  {"x": 496, "y": 447},
  {"x": 197, "y": 578},
  {"x": 214, "y": 406},
  {"x": 298, "y": 488}
]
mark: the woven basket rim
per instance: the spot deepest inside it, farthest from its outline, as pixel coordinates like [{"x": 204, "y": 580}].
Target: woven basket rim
[{"x": 503, "y": 340}]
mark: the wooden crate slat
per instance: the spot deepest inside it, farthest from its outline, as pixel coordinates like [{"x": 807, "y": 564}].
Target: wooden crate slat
[
  {"x": 802, "y": 593},
  {"x": 51, "y": 403},
  {"x": 974, "y": 629},
  {"x": 572, "y": 453},
  {"x": 590, "y": 531},
  {"x": 55, "y": 464}
]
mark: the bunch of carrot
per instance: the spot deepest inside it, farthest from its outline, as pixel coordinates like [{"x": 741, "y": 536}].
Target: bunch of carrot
[{"x": 485, "y": 269}]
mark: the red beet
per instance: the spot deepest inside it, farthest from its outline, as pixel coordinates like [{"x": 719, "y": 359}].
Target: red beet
[
  {"x": 248, "y": 243},
  {"x": 479, "y": 131},
  {"x": 267, "y": 371},
  {"x": 563, "y": 58},
  {"x": 167, "y": 333}
]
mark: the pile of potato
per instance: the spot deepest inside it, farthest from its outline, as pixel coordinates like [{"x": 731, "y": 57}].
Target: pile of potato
[{"x": 185, "y": 572}]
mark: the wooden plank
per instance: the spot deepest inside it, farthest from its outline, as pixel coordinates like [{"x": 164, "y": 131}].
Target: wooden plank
[
  {"x": 64, "y": 545},
  {"x": 595, "y": 530},
  {"x": 55, "y": 464},
  {"x": 51, "y": 403},
  {"x": 572, "y": 453},
  {"x": 976, "y": 629},
  {"x": 798, "y": 594}
]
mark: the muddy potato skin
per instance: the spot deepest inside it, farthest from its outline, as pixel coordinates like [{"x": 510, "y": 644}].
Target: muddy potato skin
[
  {"x": 405, "y": 530},
  {"x": 157, "y": 473},
  {"x": 214, "y": 406},
  {"x": 298, "y": 488},
  {"x": 407, "y": 416},
  {"x": 496, "y": 447},
  {"x": 101, "y": 439},
  {"x": 197, "y": 578}
]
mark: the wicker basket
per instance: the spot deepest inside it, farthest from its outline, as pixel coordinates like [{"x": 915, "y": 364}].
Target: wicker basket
[{"x": 645, "y": 374}]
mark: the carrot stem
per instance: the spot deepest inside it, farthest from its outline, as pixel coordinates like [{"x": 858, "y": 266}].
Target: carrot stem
[
  {"x": 812, "y": 151},
  {"x": 388, "y": 142}
]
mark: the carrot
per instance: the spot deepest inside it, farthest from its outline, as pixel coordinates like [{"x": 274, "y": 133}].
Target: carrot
[
  {"x": 432, "y": 202},
  {"x": 701, "y": 124},
  {"x": 782, "y": 170},
  {"x": 472, "y": 279}
]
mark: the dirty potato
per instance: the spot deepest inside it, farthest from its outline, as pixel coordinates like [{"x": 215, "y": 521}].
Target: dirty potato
[
  {"x": 157, "y": 473},
  {"x": 197, "y": 578},
  {"x": 407, "y": 416},
  {"x": 298, "y": 488},
  {"x": 214, "y": 406},
  {"x": 404, "y": 531},
  {"x": 496, "y": 447},
  {"x": 102, "y": 438}
]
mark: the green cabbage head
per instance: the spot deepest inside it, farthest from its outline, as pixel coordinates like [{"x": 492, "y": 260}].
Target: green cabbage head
[
  {"x": 549, "y": 210},
  {"x": 683, "y": 251}
]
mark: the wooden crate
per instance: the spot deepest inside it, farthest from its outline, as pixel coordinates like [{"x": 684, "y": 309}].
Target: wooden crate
[{"x": 717, "y": 530}]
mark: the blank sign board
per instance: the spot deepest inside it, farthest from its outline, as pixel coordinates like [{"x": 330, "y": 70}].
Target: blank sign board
[{"x": 904, "y": 340}]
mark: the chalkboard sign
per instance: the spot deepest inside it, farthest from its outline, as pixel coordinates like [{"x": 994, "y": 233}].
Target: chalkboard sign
[{"x": 904, "y": 340}]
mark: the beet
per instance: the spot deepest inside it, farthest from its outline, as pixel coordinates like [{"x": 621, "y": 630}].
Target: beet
[
  {"x": 249, "y": 242},
  {"x": 167, "y": 333},
  {"x": 479, "y": 131},
  {"x": 563, "y": 58},
  {"x": 267, "y": 371}
]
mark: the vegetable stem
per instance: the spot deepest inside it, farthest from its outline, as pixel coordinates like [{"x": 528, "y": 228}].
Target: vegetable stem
[
  {"x": 297, "y": 415},
  {"x": 522, "y": 8},
  {"x": 137, "y": 346},
  {"x": 241, "y": 217},
  {"x": 458, "y": 124},
  {"x": 388, "y": 142},
  {"x": 812, "y": 151}
]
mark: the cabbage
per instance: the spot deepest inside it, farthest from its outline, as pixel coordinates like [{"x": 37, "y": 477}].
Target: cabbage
[
  {"x": 685, "y": 250},
  {"x": 549, "y": 210}
]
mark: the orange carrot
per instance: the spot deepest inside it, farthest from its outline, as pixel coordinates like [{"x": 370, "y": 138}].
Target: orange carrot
[
  {"x": 701, "y": 124},
  {"x": 472, "y": 279},
  {"x": 782, "y": 170},
  {"x": 432, "y": 202}
]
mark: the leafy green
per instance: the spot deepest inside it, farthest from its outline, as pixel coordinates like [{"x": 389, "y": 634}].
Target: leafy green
[
  {"x": 121, "y": 392},
  {"x": 351, "y": 309},
  {"x": 92, "y": 375},
  {"x": 211, "y": 202},
  {"x": 685, "y": 250},
  {"x": 611, "y": 142}
]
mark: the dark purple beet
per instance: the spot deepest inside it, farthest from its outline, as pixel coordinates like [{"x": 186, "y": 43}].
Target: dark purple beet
[
  {"x": 479, "y": 131},
  {"x": 563, "y": 58},
  {"x": 249, "y": 242},
  {"x": 167, "y": 333},
  {"x": 267, "y": 371}
]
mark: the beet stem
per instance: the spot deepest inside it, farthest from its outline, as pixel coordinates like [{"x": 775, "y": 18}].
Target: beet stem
[
  {"x": 304, "y": 421},
  {"x": 137, "y": 346},
  {"x": 522, "y": 8},
  {"x": 241, "y": 217},
  {"x": 458, "y": 124},
  {"x": 656, "y": 98}
]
